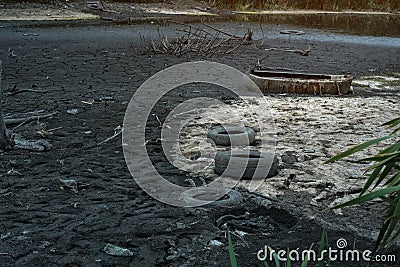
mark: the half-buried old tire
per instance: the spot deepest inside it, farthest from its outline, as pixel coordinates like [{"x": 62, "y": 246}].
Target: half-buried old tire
[
  {"x": 232, "y": 135},
  {"x": 231, "y": 199},
  {"x": 260, "y": 165}
]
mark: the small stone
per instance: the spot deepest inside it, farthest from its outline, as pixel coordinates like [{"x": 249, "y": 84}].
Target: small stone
[
  {"x": 289, "y": 159},
  {"x": 73, "y": 111},
  {"x": 215, "y": 243},
  {"x": 117, "y": 251},
  {"x": 180, "y": 225}
]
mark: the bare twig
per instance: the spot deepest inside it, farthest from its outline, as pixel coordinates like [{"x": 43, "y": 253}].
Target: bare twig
[
  {"x": 303, "y": 52},
  {"x": 117, "y": 132},
  {"x": 190, "y": 26},
  {"x": 12, "y": 121},
  {"x": 236, "y": 47},
  {"x": 263, "y": 35},
  {"x": 199, "y": 41},
  {"x": 221, "y": 31},
  {"x": 26, "y": 90},
  {"x": 191, "y": 182}
]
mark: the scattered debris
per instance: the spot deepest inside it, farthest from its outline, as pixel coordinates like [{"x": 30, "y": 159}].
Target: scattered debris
[
  {"x": 239, "y": 233},
  {"x": 296, "y": 32},
  {"x": 191, "y": 182},
  {"x": 16, "y": 92},
  {"x": 180, "y": 226},
  {"x": 45, "y": 133},
  {"x": 32, "y": 145},
  {"x": 107, "y": 18},
  {"x": 117, "y": 131},
  {"x": 98, "y": 5},
  {"x": 11, "y": 53},
  {"x": 3, "y": 236},
  {"x": 31, "y": 34},
  {"x": 27, "y": 117},
  {"x": 303, "y": 52},
  {"x": 114, "y": 250},
  {"x": 44, "y": 244},
  {"x": 73, "y": 111},
  {"x": 215, "y": 243},
  {"x": 72, "y": 184},
  {"x": 221, "y": 220},
  {"x": 14, "y": 172}
]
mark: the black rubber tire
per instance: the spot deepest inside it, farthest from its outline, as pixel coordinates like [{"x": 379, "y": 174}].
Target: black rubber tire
[
  {"x": 232, "y": 135},
  {"x": 267, "y": 164},
  {"x": 231, "y": 199}
]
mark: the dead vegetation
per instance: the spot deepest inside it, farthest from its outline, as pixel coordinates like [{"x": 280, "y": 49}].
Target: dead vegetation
[{"x": 204, "y": 40}]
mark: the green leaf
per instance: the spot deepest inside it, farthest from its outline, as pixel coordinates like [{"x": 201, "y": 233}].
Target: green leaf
[
  {"x": 384, "y": 174},
  {"x": 388, "y": 200},
  {"x": 393, "y": 123},
  {"x": 396, "y": 215},
  {"x": 359, "y": 148},
  {"x": 395, "y": 236},
  {"x": 382, "y": 162},
  {"x": 305, "y": 262},
  {"x": 232, "y": 255},
  {"x": 321, "y": 248},
  {"x": 393, "y": 222},
  {"x": 382, "y": 232},
  {"x": 385, "y": 168},
  {"x": 395, "y": 180},
  {"x": 380, "y": 157},
  {"x": 371, "y": 179},
  {"x": 392, "y": 148},
  {"x": 288, "y": 261},
  {"x": 276, "y": 259},
  {"x": 369, "y": 196}
]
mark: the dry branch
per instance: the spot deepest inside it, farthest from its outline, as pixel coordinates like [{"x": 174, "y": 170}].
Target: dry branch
[
  {"x": 204, "y": 40},
  {"x": 26, "y": 90},
  {"x": 12, "y": 121},
  {"x": 303, "y": 52}
]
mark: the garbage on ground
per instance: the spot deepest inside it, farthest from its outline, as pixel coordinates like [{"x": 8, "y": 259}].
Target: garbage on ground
[
  {"x": 114, "y": 250},
  {"x": 72, "y": 184},
  {"x": 216, "y": 243},
  {"x": 73, "y": 111}
]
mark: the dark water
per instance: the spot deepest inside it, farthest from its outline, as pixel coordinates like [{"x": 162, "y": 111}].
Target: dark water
[{"x": 364, "y": 25}]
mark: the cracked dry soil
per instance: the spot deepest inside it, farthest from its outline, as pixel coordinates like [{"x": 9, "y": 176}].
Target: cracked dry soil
[{"x": 96, "y": 71}]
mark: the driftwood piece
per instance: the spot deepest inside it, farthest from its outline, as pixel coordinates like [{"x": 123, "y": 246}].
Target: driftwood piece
[{"x": 31, "y": 145}]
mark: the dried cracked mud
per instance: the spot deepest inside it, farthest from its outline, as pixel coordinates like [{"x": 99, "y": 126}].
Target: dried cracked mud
[{"x": 89, "y": 74}]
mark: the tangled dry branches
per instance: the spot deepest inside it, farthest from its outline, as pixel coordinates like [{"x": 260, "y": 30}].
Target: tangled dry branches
[{"x": 205, "y": 41}]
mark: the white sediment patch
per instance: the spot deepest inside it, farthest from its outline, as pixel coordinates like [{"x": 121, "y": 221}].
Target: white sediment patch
[
  {"x": 47, "y": 14},
  {"x": 171, "y": 11},
  {"x": 378, "y": 82},
  {"x": 309, "y": 130}
]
